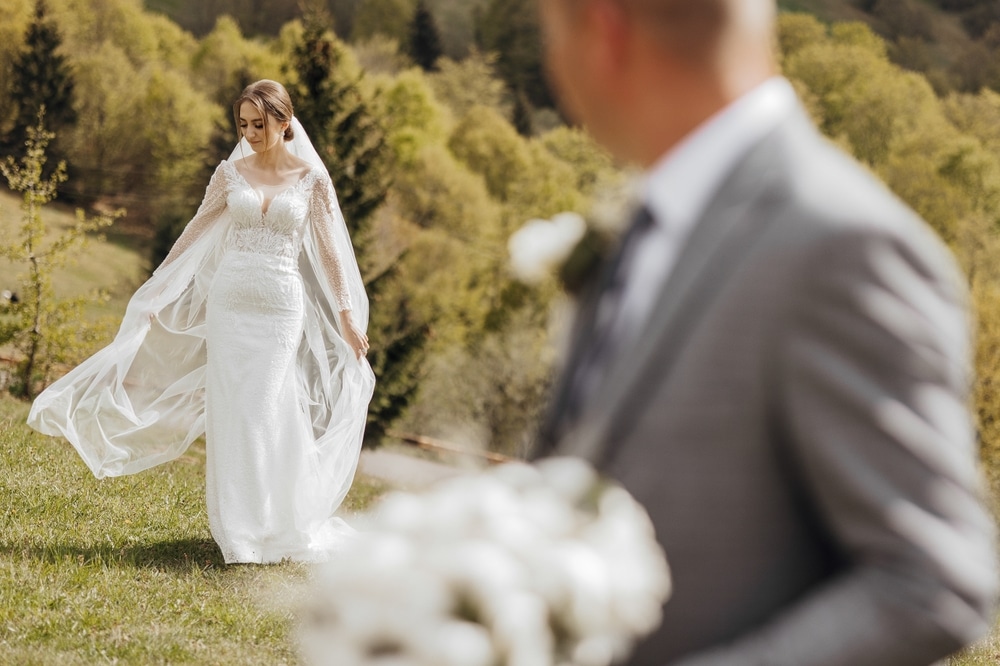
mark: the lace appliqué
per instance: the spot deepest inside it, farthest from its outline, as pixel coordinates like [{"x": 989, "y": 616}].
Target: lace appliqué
[
  {"x": 208, "y": 212},
  {"x": 264, "y": 240},
  {"x": 322, "y": 217}
]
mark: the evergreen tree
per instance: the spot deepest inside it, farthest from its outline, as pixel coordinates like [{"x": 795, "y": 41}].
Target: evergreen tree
[
  {"x": 352, "y": 144},
  {"x": 521, "y": 116},
  {"x": 425, "y": 40},
  {"x": 41, "y": 79},
  {"x": 510, "y": 28},
  {"x": 341, "y": 124}
]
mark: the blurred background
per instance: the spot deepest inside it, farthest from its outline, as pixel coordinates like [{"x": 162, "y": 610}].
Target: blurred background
[{"x": 443, "y": 138}]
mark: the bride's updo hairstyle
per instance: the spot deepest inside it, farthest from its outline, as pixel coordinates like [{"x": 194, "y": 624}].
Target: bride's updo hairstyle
[{"x": 270, "y": 99}]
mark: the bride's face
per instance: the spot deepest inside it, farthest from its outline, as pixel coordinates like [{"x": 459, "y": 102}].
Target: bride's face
[{"x": 262, "y": 132}]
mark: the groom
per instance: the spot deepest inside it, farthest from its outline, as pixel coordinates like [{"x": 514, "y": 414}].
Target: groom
[{"x": 776, "y": 361}]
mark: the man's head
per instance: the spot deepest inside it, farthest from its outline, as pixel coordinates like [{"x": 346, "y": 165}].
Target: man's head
[{"x": 640, "y": 74}]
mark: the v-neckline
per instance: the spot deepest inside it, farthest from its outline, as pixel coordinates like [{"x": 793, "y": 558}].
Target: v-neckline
[{"x": 265, "y": 205}]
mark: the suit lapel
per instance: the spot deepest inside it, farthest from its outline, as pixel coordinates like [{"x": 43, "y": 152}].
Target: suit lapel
[{"x": 735, "y": 219}]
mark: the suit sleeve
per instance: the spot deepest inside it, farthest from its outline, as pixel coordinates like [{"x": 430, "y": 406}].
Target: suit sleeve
[{"x": 872, "y": 385}]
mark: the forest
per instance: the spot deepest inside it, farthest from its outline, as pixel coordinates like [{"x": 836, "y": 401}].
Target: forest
[{"x": 443, "y": 139}]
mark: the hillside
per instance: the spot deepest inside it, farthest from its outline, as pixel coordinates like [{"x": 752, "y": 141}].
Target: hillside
[
  {"x": 956, "y": 43},
  {"x": 110, "y": 265}
]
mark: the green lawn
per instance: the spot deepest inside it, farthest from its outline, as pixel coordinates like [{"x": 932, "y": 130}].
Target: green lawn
[{"x": 124, "y": 570}]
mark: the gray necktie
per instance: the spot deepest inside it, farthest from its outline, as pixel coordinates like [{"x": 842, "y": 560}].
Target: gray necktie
[{"x": 600, "y": 346}]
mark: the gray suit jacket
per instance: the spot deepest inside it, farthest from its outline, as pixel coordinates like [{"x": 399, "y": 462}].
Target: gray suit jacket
[{"x": 794, "y": 418}]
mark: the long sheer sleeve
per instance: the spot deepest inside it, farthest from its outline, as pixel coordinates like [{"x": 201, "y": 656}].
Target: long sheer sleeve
[
  {"x": 208, "y": 212},
  {"x": 322, "y": 213}
]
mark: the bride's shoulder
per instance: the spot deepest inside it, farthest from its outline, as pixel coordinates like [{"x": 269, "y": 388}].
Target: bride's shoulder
[
  {"x": 228, "y": 171},
  {"x": 316, "y": 175},
  {"x": 224, "y": 175}
]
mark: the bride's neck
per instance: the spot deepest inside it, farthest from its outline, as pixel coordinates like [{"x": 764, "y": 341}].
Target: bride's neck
[{"x": 274, "y": 159}]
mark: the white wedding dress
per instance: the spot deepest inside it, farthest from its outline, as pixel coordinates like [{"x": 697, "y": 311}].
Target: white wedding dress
[{"x": 237, "y": 335}]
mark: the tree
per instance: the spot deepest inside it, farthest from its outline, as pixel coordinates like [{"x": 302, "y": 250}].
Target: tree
[
  {"x": 339, "y": 119},
  {"x": 383, "y": 17},
  {"x": 44, "y": 329},
  {"x": 510, "y": 28},
  {"x": 425, "y": 41},
  {"x": 521, "y": 116},
  {"x": 352, "y": 142},
  {"x": 41, "y": 78},
  {"x": 473, "y": 81}
]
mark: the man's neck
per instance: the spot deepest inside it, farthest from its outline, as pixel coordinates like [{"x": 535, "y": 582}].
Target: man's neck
[{"x": 672, "y": 112}]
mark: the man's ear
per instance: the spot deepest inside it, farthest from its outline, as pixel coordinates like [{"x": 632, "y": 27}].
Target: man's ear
[{"x": 613, "y": 35}]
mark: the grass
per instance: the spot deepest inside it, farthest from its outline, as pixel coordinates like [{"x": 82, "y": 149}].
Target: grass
[
  {"x": 986, "y": 653},
  {"x": 124, "y": 570}
]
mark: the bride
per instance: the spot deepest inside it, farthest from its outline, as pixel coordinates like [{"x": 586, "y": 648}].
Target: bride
[{"x": 251, "y": 331}]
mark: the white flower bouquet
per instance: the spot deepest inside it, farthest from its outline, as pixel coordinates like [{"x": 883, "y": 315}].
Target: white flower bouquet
[{"x": 525, "y": 565}]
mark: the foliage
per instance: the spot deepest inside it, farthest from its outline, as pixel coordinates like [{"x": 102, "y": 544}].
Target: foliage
[
  {"x": 384, "y": 17},
  {"x": 125, "y": 569},
  {"x": 46, "y": 331},
  {"x": 953, "y": 43},
  {"x": 472, "y": 81},
  {"x": 41, "y": 78},
  {"x": 352, "y": 142},
  {"x": 256, "y": 17},
  {"x": 510, "y": 28},
  {"x": 380, "y": 55},
  {"x": 338, "y": 116},
  {"x": 225, "y": 62},
  {"x": 488, "y": 367},
  {"x": 489, "y": 394},
  {"x": 425, "y": 41},
  {"x": 412, "y": 115}
]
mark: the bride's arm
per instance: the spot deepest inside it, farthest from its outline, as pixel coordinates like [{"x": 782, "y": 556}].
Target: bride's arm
[
  {"x": 321, "y": 217},
  {"x": 208, "y": 212}
]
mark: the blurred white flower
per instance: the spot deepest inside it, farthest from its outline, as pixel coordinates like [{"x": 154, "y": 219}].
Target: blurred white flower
[
  {"x": 537, "y": 248},
  {"x": 526, "y": 565}
]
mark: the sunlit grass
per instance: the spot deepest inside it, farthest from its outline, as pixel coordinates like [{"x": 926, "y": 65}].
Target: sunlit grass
[{"x": 124, "y": 570}]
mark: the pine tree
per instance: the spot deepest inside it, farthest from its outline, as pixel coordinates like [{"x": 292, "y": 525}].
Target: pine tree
[
  {"x": 510, "y": 28},
  {"x": 425, "y": 39},
  {"x": 346, "y": 133},
  {"x": 352, "y": 144},
  {"x": 41, "y": 78},
  {"x": 522, "y": 120}
]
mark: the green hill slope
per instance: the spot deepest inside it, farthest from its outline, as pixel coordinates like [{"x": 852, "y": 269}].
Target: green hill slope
[
  {"x": 112, "y": 265},
  {"x": 956, "y": 43}
]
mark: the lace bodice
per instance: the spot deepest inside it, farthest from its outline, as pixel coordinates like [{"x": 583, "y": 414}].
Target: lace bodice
[{"x": 277, "y": 231}]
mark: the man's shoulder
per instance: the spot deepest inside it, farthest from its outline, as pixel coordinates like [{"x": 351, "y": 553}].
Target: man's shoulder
[{"x": 827, "y": 193}]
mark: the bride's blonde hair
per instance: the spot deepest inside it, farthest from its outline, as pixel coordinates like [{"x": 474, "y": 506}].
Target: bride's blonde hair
[{"x": 270, "y": 99}]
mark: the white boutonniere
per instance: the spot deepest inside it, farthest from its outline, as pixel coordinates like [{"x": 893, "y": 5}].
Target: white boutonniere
[{"x": 570, "y": 247}]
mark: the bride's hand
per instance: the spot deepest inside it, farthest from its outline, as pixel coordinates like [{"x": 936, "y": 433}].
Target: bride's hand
[{"x": 354, "y": 336}]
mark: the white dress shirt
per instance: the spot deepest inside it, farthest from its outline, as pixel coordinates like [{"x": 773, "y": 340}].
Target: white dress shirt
[{"x": 679, "y": 187}]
